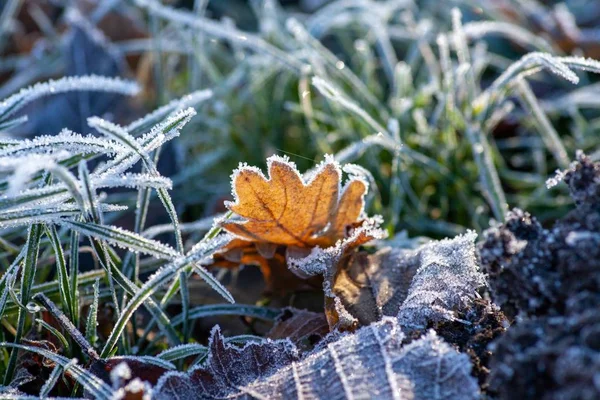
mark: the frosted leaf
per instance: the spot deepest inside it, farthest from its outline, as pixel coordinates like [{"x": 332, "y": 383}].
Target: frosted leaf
[
  {"x": 182, "y": 351},
  {"x": 51, "y": 214},
  {"x": 369, "y": 287},
  {"x": 372, "y": 363},
  {"x": 327, "y": 262},
  {"x": 356, "y": 149},
  {"x": 581, "y": 63},
  {"x": 427, "y": 284},
  {"x": 228, "y": 369},
  {"x": 531, "y": 61},
  {"x": 94, "y": 386},
  {"x": 158, "y": 136},
  {"x": 132, "y": 180},
  {"x": 478, "y": 29},
  {"x": 55, "y": 194},
  {"x": 322, "y": 261},
  {"x": 437, "y": 370},
  {"x": 70, "y": 182},
  {"x": 119, "y": 134},
  {"x": 146, "y": 361},
  {"x": 212, "y": 282},
  {"x": 331, "y": 92},
  {"x": 200, "y": 254},
  {"x": 447, "y": 279},
  {"x": 122, "y": 238},
  {"x": 23, "y": 168},
  {"x": 171, "y": 126}
]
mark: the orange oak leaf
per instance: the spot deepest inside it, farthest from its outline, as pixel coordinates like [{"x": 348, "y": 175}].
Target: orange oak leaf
[
  {"x": 291, "y": 210},
  {"x": 296, "y": 228}
]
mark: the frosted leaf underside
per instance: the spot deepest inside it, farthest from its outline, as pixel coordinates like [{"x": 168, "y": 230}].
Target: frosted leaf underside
[{"x": 421, "y": 286}]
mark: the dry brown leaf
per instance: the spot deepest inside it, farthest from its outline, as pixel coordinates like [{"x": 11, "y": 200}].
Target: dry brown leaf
[
  {"x": 287, "y": 209},
  {"x": 300, "y": 230},
  {"x": 371, "y": 286},
  {"x": 304, "y": 328},
  {"x": 436, "y": 282},
  {"x": 287, "y": 214}
]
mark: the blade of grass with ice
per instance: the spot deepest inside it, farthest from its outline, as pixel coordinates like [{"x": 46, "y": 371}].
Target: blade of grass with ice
[
  {"x": 80, "y": 83},
  {"x": 94, "y": 385},
  {"x": 200, "y": 253},
  {"x": 34, "y": 235}
]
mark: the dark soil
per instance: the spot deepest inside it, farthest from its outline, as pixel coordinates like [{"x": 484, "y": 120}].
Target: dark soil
[{"x": 547, "y": 281}]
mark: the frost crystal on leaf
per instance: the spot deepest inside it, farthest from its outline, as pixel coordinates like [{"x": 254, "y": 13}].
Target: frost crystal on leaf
[
  {"x": 228, "y": 369},
  {"x": 372, "y": 363},
  {"x": 321, "y": 261},
  {"x": 66, "y": 84},
  {"x": 436, "y": 370},
  {"x": 429, "y": 284},
  {"x": 447, "y": 278},
  {"x": 313, "y": 220}
]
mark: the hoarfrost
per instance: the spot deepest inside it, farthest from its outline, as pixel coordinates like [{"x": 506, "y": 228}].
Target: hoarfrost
[
  {"x": 90, "y": 82},
  {"x": 321, "y": 261},
  {"x": 447, "y": 279},
  {"x": 158, "y": 135},
  {"x": 66, "y": 140},
  {"x": 48, "y": 214},
  {"x": 432, "y": 283},
  {"x": 123, "y": 238},
  {"x": 120, "y": 373},
  {"x": 174, "y": 106},
  {"x": 372, "y": 363}
]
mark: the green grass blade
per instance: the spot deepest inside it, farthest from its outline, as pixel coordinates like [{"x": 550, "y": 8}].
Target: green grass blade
[
  {"x": 203, "y": 252},
  {"x": 34, "y": 235},
  {"x": 64, "y": 285},
  {"x": 92, "y": 317},
  {"x": 97, "y": 388},
  {"x": 122, "y": 238}
]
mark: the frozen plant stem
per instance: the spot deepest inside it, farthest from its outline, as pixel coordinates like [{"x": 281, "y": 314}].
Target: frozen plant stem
[
  {"x": 488, "y": 176},
  {"x": 547, "y": 131}
]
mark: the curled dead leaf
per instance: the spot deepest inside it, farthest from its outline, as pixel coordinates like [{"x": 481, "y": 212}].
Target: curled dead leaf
[
  {"x": 371, "y": 286},
  {"x": 228, "y": 369},
  {"x": 432, "y": 283}
]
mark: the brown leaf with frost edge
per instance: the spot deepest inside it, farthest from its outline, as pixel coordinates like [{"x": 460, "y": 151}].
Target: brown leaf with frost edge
[
  {"x": 288, "y": 209},
  {"x": 296, "y": 218}
]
